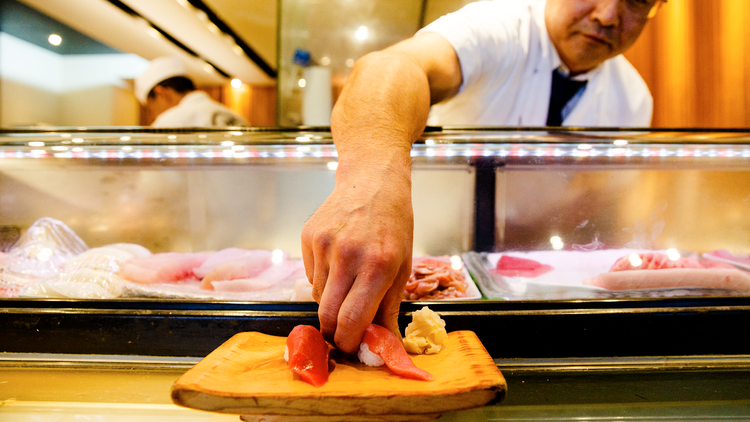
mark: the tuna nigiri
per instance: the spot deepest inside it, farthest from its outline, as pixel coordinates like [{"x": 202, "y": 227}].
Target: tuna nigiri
[
  {"x": 380, "y": 346},
  {"x": 307, "y": 354}
]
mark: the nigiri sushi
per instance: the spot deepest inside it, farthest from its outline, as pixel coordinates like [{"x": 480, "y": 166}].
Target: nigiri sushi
[
  {"x": 307, "y": 354},
  {"x": 380, "y": 346}
]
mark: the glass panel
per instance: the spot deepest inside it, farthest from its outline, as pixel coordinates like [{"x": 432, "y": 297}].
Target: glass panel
[{"x": 572, "y": 202}]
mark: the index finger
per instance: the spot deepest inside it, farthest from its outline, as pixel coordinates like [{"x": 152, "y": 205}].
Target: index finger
[{"x": 360, "y": 306}]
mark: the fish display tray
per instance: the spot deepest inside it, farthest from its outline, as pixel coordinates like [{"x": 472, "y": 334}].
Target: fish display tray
[{"x": 248, "y": 376}]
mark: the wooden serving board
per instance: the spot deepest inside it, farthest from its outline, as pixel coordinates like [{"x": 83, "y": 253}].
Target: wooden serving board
[{"x": 248, "y": 376}]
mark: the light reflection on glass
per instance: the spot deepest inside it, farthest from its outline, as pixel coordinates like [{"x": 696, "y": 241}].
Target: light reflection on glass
[
  {"x": 456, "y": 262},
  {"x": 277, "y": 256},
  {"x": 635, "y": 260}
]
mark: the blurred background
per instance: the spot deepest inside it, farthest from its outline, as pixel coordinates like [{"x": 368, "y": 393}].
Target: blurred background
[{"x": 72, "y": 62}]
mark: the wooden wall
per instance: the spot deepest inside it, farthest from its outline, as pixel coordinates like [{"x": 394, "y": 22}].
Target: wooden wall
[
  {"x": 257, "y": 104},
  {"x": 694, "y": 57}
]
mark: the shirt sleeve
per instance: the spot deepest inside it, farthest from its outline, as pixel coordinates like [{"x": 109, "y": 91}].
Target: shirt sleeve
[{"x": 485, "y": 36}]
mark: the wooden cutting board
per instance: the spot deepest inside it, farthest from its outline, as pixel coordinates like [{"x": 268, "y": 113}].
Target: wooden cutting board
[{"x": 248, "y": 376}]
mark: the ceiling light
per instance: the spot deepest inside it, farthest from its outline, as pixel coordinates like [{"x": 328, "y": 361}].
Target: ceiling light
[
  {"x": 236, "y": 83},
  {"x": 301, "y": 83},
  {"x": 54, "y": 39},
  {"x": 361, "y": 33},
  {"x": 325, "y": 61},
  {"x": 349, "y": 62}
]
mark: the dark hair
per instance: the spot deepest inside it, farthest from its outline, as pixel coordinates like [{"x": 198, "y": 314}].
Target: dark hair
[{"x": 180, "y": 84}]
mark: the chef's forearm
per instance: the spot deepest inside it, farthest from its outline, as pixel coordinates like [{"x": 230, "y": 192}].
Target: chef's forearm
[{"x": 381, "y": 111}]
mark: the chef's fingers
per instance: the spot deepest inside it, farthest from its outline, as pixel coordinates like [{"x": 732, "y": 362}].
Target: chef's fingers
[
  {"x": 340, "y": 279},
  {"x": 361, "y": 304},
  {"x": 387, "y": 315},
  {"x": 307, "y": 253},
  {"x": 321, "y": 265}
]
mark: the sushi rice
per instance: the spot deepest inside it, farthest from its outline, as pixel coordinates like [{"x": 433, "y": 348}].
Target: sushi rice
[{"x": 367, "y": 357}]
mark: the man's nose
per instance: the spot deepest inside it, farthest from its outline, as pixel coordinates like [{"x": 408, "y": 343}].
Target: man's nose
[{"x": 607, "y": 12}]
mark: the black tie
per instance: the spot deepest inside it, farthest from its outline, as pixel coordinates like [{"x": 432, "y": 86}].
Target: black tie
[{"x": 563, "y": 89}]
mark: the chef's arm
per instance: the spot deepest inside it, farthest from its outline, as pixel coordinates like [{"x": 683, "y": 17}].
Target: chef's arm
[{"x": 357, "y": 246}]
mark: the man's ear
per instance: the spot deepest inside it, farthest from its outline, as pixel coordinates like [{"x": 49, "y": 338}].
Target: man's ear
[{"x": 159, "y": 90}]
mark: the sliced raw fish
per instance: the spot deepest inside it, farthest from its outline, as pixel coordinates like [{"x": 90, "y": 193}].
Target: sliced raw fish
[
  {"x": 721, "y": 253},
  {"x": 268, "y": 278},
  {"x": 432, "y": 279},
  {"x": 390, "y": 349},
  {"x": 168, "y": 267},
  {"x": 511, "y": 266},
  {"x": 92, "y": 274},
  {"x": 307, "y": 354},
  {"x": 302, "y": 291},
  {"x": 255, "y": 259},
  {"x": 715, "y": 278},
  {"x": 248, "y": 265},
  {"x": 653, "y": 261}
]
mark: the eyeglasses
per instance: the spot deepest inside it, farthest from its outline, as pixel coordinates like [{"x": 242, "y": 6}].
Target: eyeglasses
[
  {"x": 655, "y": 8},
  {"x": 647, "y": 8}
]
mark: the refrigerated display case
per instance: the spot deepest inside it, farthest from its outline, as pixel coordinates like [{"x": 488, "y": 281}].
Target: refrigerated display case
[{"x": 573, "y": 201}]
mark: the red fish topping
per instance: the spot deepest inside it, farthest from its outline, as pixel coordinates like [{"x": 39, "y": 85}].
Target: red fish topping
[
  {"x": 308, "y": 354},
  {"x": 385, "y": 344},
  {"x": 511, "y": 266}
]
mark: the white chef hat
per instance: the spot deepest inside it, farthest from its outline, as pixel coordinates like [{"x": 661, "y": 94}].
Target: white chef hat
[{"x": 160, "y": 69}]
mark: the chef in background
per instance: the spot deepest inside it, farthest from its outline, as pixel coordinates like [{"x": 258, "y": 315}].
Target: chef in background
[
  {"x": 169, "y": 95},
  {"x": 493, "y": 63}
]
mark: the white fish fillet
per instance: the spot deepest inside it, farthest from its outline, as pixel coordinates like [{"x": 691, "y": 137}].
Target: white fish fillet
[
  {"x": 262, "y": 258},
  {"x": 265, "y": 280}
]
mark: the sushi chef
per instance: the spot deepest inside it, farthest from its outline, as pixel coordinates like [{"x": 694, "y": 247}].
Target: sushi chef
[
  {"x": 166, "y": 91},
  {"x": 493, "y": 63}
]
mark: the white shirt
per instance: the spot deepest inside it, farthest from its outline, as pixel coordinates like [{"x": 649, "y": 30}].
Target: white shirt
[
  {"x": 197, "y": 109},
  {"x": 507, "y": 59}
]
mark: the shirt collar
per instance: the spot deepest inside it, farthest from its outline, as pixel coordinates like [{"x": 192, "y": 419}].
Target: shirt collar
[{"x": 193, "y": 96}]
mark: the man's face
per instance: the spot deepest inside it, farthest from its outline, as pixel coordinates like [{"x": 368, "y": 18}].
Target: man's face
[
  {"x": 588, "y": 32},
  {"x": 160, "y": 101}
]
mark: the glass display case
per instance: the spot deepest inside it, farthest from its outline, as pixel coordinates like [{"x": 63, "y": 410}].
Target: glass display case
[
  {"x": 537, "y": 221},
  {"x": 560, "y": 207}
]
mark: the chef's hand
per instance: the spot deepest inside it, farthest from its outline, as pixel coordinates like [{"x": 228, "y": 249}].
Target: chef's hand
[{"x": 357, "y": 250}]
